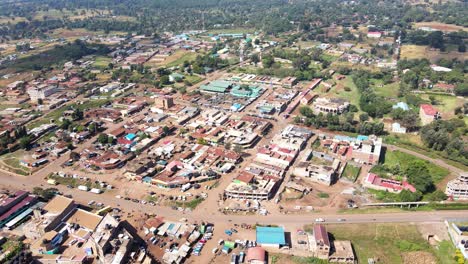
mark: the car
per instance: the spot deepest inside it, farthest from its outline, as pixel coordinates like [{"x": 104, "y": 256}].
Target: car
[
  {"x": 319, "y": 220},
  {"x": 69, "y": 187},
  {"x": 301, "y": 242},
  {"x": 127, "y": 198},
  {"x": 91, "y": 202},
  {"x": 341, "y": 219},
  {"x": 118, "y": 197}
]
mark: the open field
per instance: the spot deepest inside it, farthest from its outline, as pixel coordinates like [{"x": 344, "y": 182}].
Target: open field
[
  {"x": 446, "y": 104},
  {"x": 386, "y": 90},
  {"x": 440, "y": 26},
  {"x": 351, "y": 172},
  {"x": 421, "y": 52},
  {"x": 11, "y": 162},
  {"x": 102, "y": 62},
  {"x": 175, "y": 59},
  {"x": 404, "y": 160},
  {"x": 387, "y": 243}
]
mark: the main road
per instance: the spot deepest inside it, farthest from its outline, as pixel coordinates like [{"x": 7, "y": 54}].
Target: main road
[{"x": 24, "y": 182}]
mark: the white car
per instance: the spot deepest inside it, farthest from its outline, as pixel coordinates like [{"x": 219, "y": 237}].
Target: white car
[{"x": 319, "y": 220}]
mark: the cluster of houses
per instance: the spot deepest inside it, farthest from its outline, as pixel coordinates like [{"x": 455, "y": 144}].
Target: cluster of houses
[
  {"x": 61, "y": 231},
  {"x": 261, "y": 178}
]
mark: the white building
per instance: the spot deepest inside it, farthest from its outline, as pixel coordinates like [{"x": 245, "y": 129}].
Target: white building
[
  {"x": 41, "y": 92},
  {"x": 397, "y": 128},
  {"x": 458, "y": 188}
]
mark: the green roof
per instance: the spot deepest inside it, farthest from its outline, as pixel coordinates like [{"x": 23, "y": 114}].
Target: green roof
[
  {"x": 242, "y": 91},
  {"x": 217, "y": 86}
]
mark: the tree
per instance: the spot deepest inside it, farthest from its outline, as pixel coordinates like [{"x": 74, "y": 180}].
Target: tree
[
  {"x": 166, "y": 130},
  {"x": 102, "y": 138},
  {"x": 74, "y": 156},
  {"x": 237, "y": 149},
  {"x": 165, "y": 80},
  {"x": 408, "y": 196},
  {"x": 25, "y": 142},
  {"x": 419, "y": 176},
  {"x": 268, "y": 61},
  {"x": 77, "y": 114},
  {"x": 363, "y": 117},
  {"x": 255, "y": 59},
  {"x": 438, "y": 195}
]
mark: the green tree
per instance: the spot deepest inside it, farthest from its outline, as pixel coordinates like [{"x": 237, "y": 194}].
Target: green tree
[
  {"x": 102, "y": 138},
  {"x": 418, "y": 175}
]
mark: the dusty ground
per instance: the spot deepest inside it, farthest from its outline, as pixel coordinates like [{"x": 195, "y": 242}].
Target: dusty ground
[
  {"x": 418, "y": 257},
  {"x": 440, "y": 26}
]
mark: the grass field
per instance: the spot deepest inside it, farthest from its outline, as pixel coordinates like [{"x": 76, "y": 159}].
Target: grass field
[
  {"x": 102, "y": 62},
  {"x": 421, "y": 52},
  {"x": 394, "y": 158},
  {"x": 385, "y": 242},
  {"x": 351, "y": 172},
  {"x": 57, "y": 113},
  {"x": 352, "y": 96},
  {"x": 193, "y": 79},
  {"x": 386, "y": 90},
  {"x": 175, "y": 59},
  {"x": 179, "y": 57},
  {"x": 446, "y": 103},
  {"x": 12, "y": 162}
]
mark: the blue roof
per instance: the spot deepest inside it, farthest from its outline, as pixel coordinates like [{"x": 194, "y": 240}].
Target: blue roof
[
  {"x": 130, "y": 136},
  {"x": 362, "y": 138},
  {"x": 270, "y": 235}
]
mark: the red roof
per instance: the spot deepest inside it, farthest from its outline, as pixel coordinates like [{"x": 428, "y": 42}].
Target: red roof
[
  {"x": 321, "y": 235},
  {"x": 389, "y": 183},
  {"x": 428, "y": 109},
  {"x": 245, "y": 177},
  {"x": 256, "y": 253}
]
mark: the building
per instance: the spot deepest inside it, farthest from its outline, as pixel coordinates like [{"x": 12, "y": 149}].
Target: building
[
  {"x": 361, "y": 149},
  {"x": 111, "y": 242},
  {"x": 14, "y": 205},
  {"x": 164, "y": 102},
  {"x": 342, "y": 252},
  {"x": 334, "y": 106},
  {"x": 325, "y": 174},
  {"x": 374, "y": 34},
  {"x": 397, "y": 128},
  {"x": 457, "y": 189},
  {"x": 332, "y": 251},
  {"x": 375, "y": 182},
  {"x": 41, "y": 92},
  {"x": 49, "y": 217},
  {"x": 273, "y": 237},
  {"x": 256, "y": 255},
  {"x": 427, "y": 114},
  {"x": 110, "y": 87},
  {"x": 320, "y": 244},
  {"x": 217, "y": 86},
  {"x": 458, "y": 233}
]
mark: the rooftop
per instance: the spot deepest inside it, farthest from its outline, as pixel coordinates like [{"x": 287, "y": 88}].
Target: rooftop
[{"x": 270, "y": 235}]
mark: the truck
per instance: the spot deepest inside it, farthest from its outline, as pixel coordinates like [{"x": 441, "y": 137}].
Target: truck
[
  {"x": 95, "y": 190},
  {"x": 186, "y": 187},
  {"x": 83, "y": 188}
]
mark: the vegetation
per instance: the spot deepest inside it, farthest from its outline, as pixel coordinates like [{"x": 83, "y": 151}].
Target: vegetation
[
  {"x": 386, "y": 242},
  {"x": 57, "y": 55}
]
